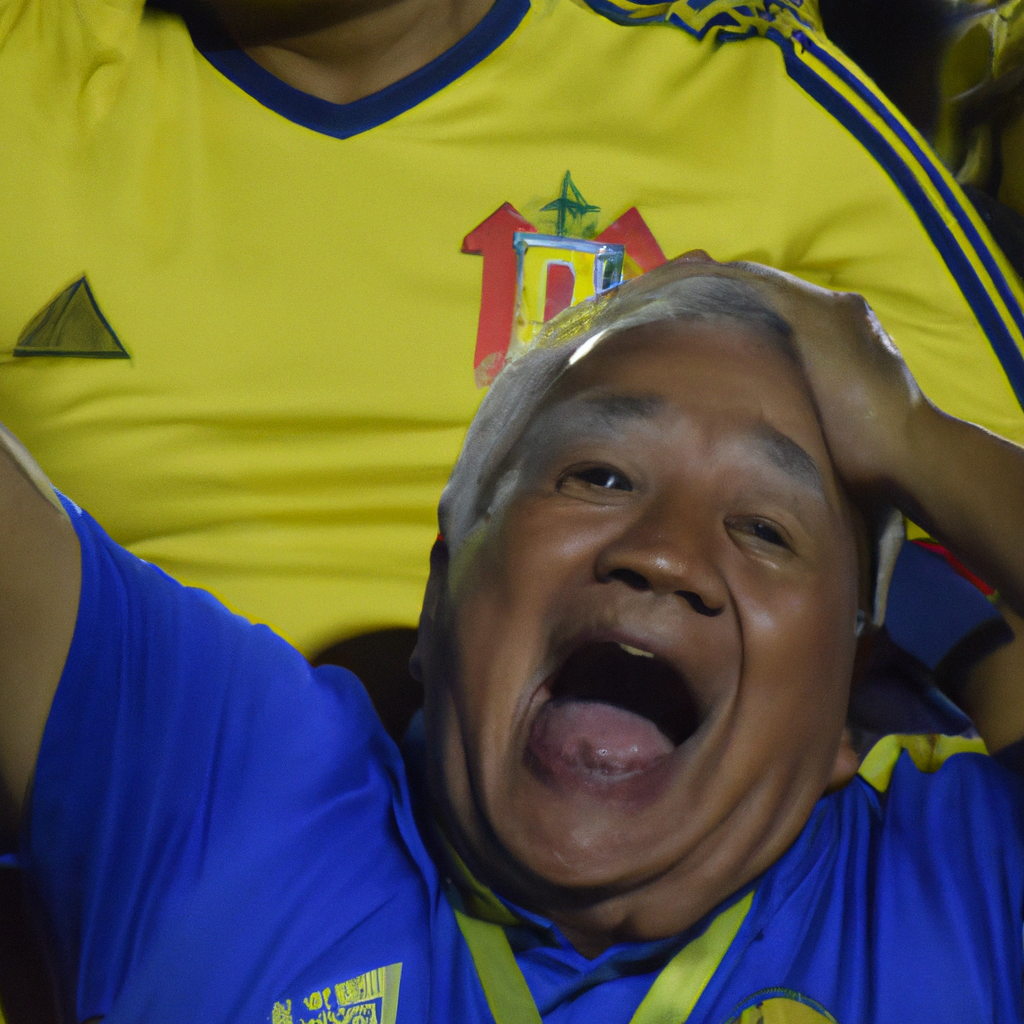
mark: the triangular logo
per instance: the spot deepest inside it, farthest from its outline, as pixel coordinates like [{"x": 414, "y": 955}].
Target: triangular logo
[{"x": 71, "y": 325}]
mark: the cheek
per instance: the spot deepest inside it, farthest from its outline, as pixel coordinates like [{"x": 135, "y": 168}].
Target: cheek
[
  {"x": 528, "y": 557},
  {"x": 799, "y": 648},
  {"x": 504, "y": 594}
]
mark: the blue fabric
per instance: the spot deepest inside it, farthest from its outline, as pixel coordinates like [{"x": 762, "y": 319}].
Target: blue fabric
[
  {"x": 220, "y": 832},
  {"x": 931, "y": 607}
]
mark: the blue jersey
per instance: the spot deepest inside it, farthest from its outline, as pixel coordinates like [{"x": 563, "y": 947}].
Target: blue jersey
[{"x": 220, "y": 833}]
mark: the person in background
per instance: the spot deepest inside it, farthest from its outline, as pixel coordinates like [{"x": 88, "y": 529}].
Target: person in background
[{"x": 266, "y": 256}]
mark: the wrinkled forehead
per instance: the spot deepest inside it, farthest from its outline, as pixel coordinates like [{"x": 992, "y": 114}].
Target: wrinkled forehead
[
  {"x": 640, "y": 378},
  {"x": 667, "y": 349}
]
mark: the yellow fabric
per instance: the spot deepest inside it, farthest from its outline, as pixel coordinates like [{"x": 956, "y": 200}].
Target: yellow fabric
[
  {"x": 928, "y": 752},
  {"x": 300, "y": 319}
]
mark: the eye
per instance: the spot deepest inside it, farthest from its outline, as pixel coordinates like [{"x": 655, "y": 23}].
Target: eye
[
  {"x": 603, "y": 477},
  {"x": 767, "y": 533},
  {"x": 763, "y": 530}
]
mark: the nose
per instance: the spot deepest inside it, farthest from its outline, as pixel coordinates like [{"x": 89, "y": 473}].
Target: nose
[{"x": 666, "y": 553}]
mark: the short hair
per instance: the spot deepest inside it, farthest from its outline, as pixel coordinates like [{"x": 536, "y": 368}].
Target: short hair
[
  {"x": 524, "y": 382},
  {"x": 661, "y": 296}
]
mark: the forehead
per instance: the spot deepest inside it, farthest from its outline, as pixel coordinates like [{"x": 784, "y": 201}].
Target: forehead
[
  {"x": 712, "y": 372},
  {"x": 678, "y": 349},
  {"x": 719, "y": 392}
]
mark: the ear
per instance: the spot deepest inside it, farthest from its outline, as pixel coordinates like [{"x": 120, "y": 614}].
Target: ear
[
  {"x": 866, "y": 637},
  {"x": 846, "y": 764},
  {"x": 437, "y": 584},
  {"x": 847, "y": 759}
]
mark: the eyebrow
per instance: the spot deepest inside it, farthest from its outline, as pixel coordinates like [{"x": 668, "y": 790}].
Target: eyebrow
[
  {"x": 591, "y": 415},
  {"x": 611, "y": 409},
  {"x": 785, "y": 454},
  {"x": 599, "y": 413}
]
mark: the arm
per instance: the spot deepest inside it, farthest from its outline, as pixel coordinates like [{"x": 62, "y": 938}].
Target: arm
[{"x": 39, "y": 585}]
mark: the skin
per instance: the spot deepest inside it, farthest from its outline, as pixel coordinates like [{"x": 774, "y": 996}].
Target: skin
[
  {"x": 40, "y": 578},
  {"x": 344, "y": 50},
  {"x": 709, "y": 529}
]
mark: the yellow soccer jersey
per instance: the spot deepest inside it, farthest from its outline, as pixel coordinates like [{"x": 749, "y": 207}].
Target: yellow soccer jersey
[{"x": 245, "y": 327}]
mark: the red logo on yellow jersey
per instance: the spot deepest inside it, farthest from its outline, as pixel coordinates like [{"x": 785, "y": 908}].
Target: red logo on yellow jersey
[{"x": 529, "y": 277}]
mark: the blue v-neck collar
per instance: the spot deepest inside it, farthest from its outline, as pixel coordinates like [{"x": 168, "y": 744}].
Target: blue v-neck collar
[{"x": 342, "y": 120}]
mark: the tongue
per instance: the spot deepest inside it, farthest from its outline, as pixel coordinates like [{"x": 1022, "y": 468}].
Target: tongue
[{"x": 598, "y": 737}]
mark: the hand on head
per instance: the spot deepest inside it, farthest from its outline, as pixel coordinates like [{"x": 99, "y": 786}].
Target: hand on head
[{"x": 865, "y": 393}]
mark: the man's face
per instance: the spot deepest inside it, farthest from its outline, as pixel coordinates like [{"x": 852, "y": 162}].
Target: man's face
[{"x": 651, "y": 638}]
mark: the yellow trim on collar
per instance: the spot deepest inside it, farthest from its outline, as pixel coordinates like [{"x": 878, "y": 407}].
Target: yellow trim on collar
[{"x": 928, "y": 751}]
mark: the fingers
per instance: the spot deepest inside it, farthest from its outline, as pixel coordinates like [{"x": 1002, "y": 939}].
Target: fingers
[{"x": 808, "y": 307}]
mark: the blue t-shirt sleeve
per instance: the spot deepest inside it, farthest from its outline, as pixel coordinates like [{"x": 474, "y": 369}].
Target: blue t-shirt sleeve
[{"x": 175, "y": 727}]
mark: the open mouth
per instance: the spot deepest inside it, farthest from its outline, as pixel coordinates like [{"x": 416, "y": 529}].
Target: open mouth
[{"x": 614, "y": 711}]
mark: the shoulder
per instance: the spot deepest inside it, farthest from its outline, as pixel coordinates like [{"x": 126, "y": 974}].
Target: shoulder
[
  {"x": 944, "y": 798},
  {"x": 725, "y": 20},
  {"x": 148, "y": 651}
]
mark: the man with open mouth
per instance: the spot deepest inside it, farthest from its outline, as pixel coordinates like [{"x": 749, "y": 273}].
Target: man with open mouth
[{"x": 637, "y": 792}]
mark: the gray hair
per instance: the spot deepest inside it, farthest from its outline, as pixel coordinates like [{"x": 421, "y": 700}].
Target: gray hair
[{"x": 481, "y": 478}]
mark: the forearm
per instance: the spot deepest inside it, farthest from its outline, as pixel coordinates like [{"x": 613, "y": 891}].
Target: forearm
[
  {"x": 39, "y": 586},
  {"x": 965, "y": 486}
]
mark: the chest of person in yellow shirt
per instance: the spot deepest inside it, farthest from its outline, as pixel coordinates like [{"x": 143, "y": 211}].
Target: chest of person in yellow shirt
[{"x": 274, "y": 314}]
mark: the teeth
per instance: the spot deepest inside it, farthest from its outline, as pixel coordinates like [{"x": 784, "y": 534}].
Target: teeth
[{"x": 636, "y": 651}]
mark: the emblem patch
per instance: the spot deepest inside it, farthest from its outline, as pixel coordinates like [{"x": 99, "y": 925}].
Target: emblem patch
[
  {"x": 370, "y": 998},
  {"x": 781, "y": 1006},
  {"x": 71, "y": 325},
  {"x": 529, "y": 277}
]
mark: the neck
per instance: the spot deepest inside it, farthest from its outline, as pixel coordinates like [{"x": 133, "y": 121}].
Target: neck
[{"x": 344, "y": 50}]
